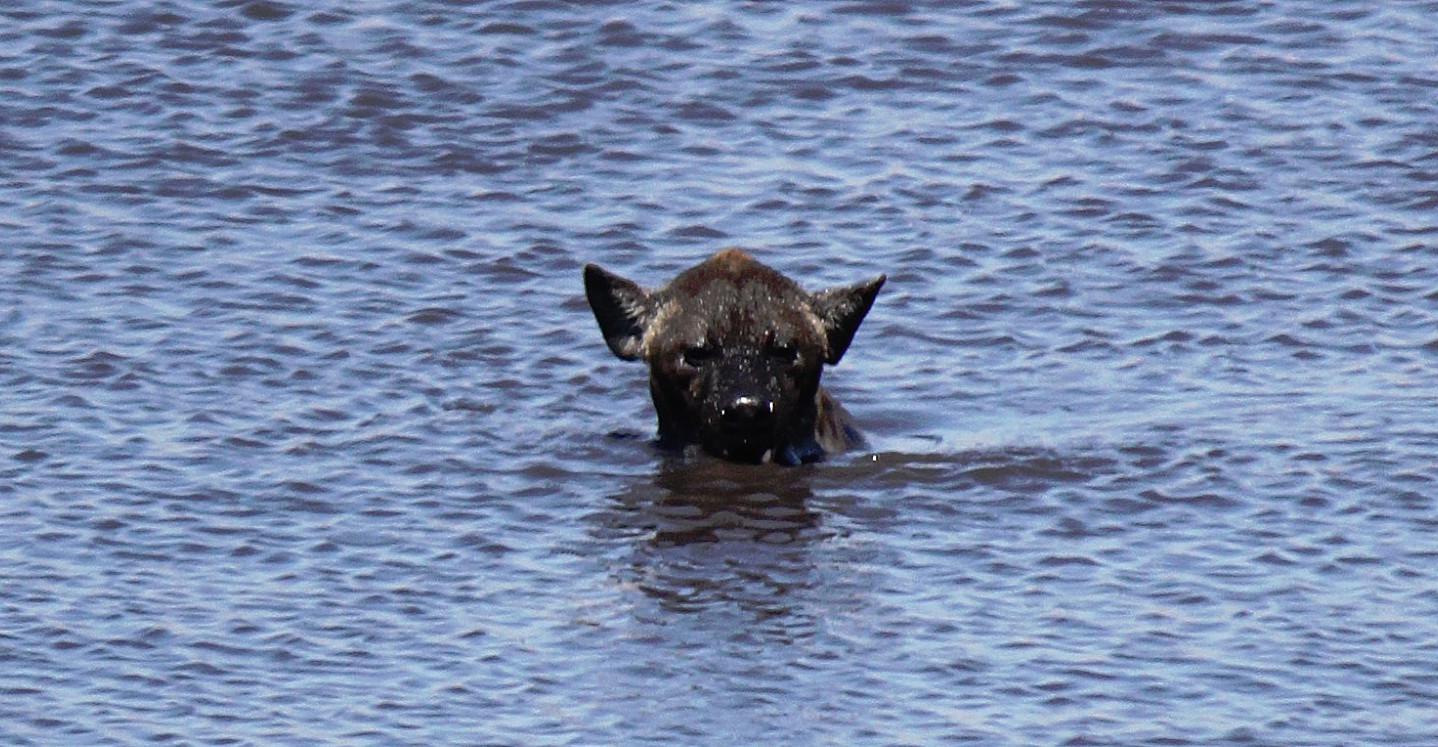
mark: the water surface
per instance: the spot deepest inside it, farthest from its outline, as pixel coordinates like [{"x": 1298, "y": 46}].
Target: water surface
[{"x": 307, "y": 436}]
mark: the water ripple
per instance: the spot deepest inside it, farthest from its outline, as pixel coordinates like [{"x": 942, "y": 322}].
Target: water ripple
[{"x": 307, "y": 435}]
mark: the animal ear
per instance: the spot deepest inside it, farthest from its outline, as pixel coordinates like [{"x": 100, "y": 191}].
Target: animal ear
[
  {"x": 841, "y": 310},
  {"x": 622, "y": 308}
]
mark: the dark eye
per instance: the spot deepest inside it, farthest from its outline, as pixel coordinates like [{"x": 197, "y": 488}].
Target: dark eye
[
  {"x": 783, "y": 352},
  {"x": 695, "y": 356}
]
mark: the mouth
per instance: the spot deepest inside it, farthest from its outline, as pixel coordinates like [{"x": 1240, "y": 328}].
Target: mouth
[
  {"x": 746, "y": 430},
  {"x": 747, "y": 450}
]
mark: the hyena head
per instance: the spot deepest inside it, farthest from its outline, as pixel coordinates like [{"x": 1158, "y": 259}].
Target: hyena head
[{"x": 735, "y": 350}]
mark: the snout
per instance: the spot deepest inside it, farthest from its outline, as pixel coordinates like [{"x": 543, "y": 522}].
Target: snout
[
  {"x": 744, "y": 429},
  {"x": 747, "y": 415}
]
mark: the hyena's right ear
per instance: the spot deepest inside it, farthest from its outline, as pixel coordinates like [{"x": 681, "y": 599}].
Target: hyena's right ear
[{"x": 622, "y": 307}]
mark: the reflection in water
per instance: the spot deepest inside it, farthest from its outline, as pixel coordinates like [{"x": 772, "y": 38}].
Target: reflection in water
[
  {"x": 708, "y": 532},
  {"x": 709, "y": 500}
]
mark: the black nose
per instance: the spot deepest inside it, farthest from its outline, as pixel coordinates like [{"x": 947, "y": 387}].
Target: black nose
[{"x": 747, "y": 412}]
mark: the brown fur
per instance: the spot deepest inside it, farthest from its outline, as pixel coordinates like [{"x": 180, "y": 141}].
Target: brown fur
[{"x": 735, "y": 352}]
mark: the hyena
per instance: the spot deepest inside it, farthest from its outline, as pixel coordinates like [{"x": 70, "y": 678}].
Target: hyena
[{"x": 735, "y": 352}]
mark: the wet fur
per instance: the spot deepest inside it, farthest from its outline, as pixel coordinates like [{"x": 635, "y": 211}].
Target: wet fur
[{"x": 736, "y": 351}]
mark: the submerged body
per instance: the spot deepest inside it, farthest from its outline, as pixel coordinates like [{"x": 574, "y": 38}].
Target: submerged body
[{"x": 736, "y": 351}]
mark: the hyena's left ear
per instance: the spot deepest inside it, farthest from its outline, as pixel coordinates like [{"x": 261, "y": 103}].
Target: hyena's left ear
[
  {"x": 840, "y": 310},
  {"x": 622, "y": 308}
]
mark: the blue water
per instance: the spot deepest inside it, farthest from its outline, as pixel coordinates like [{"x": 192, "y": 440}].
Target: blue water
[{"x": 307, "y": 436}]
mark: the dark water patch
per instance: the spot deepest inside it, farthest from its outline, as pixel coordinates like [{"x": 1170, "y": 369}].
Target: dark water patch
[
  {"x": 30, "y": 455},
  {"x": 263, "y": 10}
]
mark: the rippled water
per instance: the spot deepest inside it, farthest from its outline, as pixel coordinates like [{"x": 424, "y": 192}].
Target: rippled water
[{"x": 307, "y": 435}]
